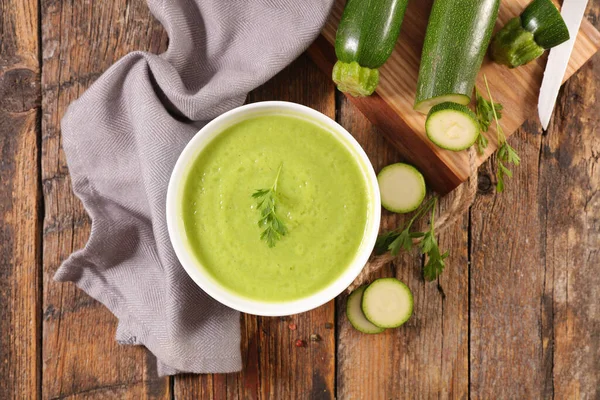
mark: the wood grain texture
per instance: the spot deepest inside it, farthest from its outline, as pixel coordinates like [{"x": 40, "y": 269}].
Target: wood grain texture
[
  {"x": 274, "y": 368},
  {"x": 81, "y": 359},
  {"x": 570, "y": 199},
  {"x": 534, "y": 292},
  {"x": 20, "y": 304},
  {"x": 444, "y": 169},
  {"x": 428, "y": 356},
  {"x": 507, "y": 285},
  {"x": 522, "y": 321}
]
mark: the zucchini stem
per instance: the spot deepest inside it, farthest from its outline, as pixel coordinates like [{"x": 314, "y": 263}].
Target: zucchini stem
[
  {"x": 354, "y": 79},
  {"x": 513, "y": 45}
]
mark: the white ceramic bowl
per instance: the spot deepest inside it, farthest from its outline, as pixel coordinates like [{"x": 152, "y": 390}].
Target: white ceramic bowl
[{"x": 176, "y": 225}]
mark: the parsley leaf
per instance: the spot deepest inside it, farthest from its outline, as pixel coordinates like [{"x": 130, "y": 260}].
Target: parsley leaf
[
  {"x": 274, "y": 227},
  {"x": 482, "y": 143},
  {"x": 484, "y": 110},
  {"x": 402, "y": 239},
  {"x": 435, "y": 264},
  {"x": 506, "y": 154}
]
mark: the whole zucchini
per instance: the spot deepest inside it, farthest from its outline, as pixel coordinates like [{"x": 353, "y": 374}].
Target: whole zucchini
[
  {"x": 365, "y": 38},
  {"x": 457, "y": 37},
  {"x": 524, "y": 38}
]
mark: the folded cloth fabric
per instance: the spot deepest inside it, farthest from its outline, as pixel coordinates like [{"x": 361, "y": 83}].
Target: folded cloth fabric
[{"x": 122, "y": 138}]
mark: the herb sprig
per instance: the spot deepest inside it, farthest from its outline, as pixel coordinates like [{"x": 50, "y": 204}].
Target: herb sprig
[
  {"x": 484, "y": 110},
  {"x": 506, "y": 154},
  {"x": 402, "y": 239},
  {"x": 274, "y": 227}
]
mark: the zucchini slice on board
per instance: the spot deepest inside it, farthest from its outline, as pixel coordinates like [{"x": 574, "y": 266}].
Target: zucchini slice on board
[
  {"x": 355, "y": 314},
  {"x": 387, "y": 303},
  {"x": 452, "y": 126},
  {"x": 523, "y": 39},
  {"x": 457, "y": 37},
  {"x": 402, "y": 188},
  {"x": 365, "y": 38}
]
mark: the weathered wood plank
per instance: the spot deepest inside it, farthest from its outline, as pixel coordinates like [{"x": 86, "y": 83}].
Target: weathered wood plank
[
  {"x": 20, "y": 225},
  {"x": 507, "y": 284},
  {"x": 570, "y": 198},
  {"x": 427, "y": 357},
  {"x": 273, "y": 367},
  {"x": 535, "y": 249},
  {"x": 80, "y": 356}
]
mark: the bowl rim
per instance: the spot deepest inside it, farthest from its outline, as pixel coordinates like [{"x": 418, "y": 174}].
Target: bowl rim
[{"x": 192, "y": 265}]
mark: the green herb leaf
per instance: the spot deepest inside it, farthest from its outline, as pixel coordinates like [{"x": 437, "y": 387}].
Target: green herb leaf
[
  {"x": 435, "y": 265},
  {"x": 482, "y": 143},
  {"x": 384, "y": 241},
  {"x": 511, "y": 155},
  {"x": 274, "y": 227},
  {"x": 403, "y": 241},
  {"x": 428, "y": 243},
  {"x": 506, "y": 154},
  {"x": 484, "y": 110},
  {"x": 429, "y": 246},
  {"x": 397, "y": 240}
]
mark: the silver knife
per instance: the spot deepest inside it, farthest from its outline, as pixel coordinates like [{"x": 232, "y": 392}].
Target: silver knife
[{"x": 572, "y": 12}]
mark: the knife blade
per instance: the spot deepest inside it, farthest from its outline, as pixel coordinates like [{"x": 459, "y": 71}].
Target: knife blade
[{"x": 572, "y": 12}]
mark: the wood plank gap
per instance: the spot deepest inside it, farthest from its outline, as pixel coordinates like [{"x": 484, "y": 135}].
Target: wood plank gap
[
  {"x": 543, "y": 207},
  {"x": 19, "y": 200},
  {"x": 259, "y": 372},
  {"x": 40, "y": 217},
  {"x": 39, "y": 243},
  {"x": 469, "y": 255}
]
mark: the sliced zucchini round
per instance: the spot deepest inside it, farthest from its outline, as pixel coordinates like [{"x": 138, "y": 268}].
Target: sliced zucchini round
[
  {"x": 355, "y": 314},
  {"x": 387, "y": 303},
  {"x": 402, "y": 188},
  {"x": 452, "y": 126}
]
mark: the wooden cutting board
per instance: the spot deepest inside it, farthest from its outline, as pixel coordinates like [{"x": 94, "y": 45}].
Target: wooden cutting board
[{"x": 391, "y": 107}]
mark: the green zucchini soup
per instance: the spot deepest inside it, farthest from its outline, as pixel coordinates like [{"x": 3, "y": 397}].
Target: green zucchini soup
[{"x": 322, "y": 199}]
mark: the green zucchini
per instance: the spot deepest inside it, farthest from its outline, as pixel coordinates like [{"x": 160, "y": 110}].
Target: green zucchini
[
  {"x": 402, "y": 188},
  {"x": 457, "y": 37},
  {"x": 387, "y": 303},
  {"x": 365, "y": 38},
  {"x": 452, "y": 126},
  {"x": 355, "y": 314},
  {"x": 542, "y": 18},
  {"x": 523, "y": 39}
]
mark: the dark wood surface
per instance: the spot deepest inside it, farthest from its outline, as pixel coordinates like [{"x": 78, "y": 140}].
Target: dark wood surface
[{"x": 515, "y": 315}]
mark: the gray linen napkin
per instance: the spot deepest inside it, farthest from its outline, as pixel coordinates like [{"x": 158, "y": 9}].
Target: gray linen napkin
[{"x": 122, "y": 138}]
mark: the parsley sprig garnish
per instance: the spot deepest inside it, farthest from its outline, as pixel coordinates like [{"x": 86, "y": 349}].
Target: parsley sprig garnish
[
  {"x": 274, "y": 227},
  {"x": 506, "y": 154},
  {"x": 484, "y": 110},
  {"x": 402, "y": 239}
]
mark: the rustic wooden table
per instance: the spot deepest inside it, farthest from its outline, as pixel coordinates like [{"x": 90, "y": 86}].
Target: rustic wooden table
[{"x": 515, "y": 315}]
